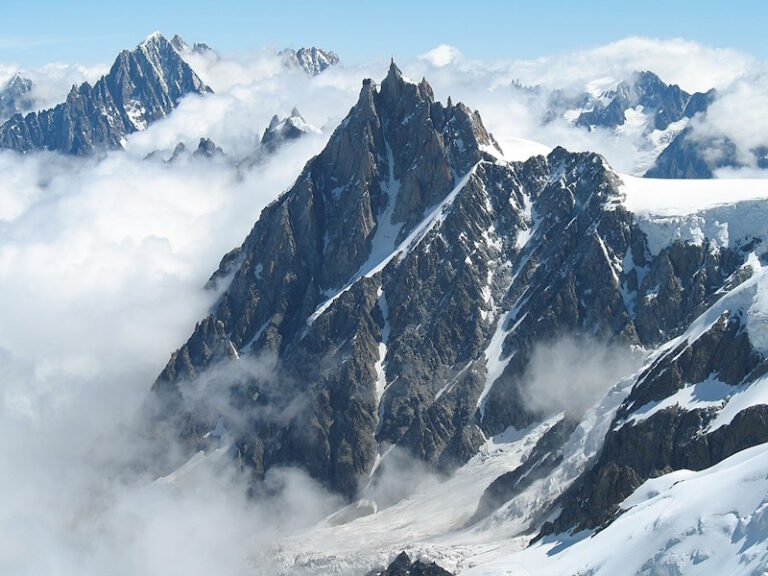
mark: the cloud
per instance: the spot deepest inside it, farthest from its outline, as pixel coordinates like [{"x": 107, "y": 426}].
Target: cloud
[
  {"x": 738, "y": 114},
  {"x": 571, "y": 373},
  {"x": 442, "y": 55},
  {"x": 102, "y": 263},
  {"x": 52, "y": 82}
]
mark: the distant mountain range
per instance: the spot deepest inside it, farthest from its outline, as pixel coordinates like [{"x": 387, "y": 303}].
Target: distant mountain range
[
  {"x": 143, "y": 86},
  {"x": 146, "y": 84},
  {"x": 311, "y": 60}
]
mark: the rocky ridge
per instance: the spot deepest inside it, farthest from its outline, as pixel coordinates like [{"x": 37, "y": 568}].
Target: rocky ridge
[
  {"x": 312, "y": 60},
  {"x": 143, "y": 86}
]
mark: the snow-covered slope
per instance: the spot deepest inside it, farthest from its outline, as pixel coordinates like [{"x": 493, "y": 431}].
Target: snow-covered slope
[{"x": 694, "y": 523}]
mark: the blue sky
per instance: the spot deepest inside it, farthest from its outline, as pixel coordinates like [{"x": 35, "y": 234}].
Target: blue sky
[{"x": 89, "y": 31}]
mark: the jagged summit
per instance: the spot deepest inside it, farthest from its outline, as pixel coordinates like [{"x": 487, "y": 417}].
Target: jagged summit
[
  {"x": 16, "y": 96},
  {"x": 644, "y": 92},
  {"x": 183, "y": 48},
  {"x": 397, "y": 188},
  {"x": 142, "y": 86},
  {"x": 281, "y": 130},
  {"x": 154, "y": 38},
  {"x": 311, "y": 60}
]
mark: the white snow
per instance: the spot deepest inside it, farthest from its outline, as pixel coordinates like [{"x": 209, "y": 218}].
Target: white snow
[
  {"x": 430, "y": 518},
  {"x": 723, "y": 212},
  {"x": 660, "y": 139},
  {"x": 703, "y": 523},
  {"x": 635, "y": 122},
  {"x": 658, "y": 197},
  {"x": 709, "y": 393},
  {"x": 135, "y": 112},
  {"x": 739, "y": 399},
  {"x": 494, "y": 361},
  {"x": 518, "y": 149},
  {"x": 597, "y": 87},
  {"x": 381, "y": 375}
]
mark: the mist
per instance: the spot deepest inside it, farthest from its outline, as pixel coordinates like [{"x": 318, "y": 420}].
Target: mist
[{"x": 572, "y": 373}]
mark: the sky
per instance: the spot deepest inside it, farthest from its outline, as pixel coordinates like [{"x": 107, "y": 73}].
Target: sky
[{"x": 36, "y": 32}]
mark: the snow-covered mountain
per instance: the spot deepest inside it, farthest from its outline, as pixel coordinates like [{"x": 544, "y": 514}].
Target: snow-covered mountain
[
  {"x": 15, "y": 96},
  {"x": 311, "y": 60},
  {"x": 279, "y": 130},
  {"x": 643, "y": 109},
  {"x": 143, "y": 85},
  {"x": 573, "y": 348}
]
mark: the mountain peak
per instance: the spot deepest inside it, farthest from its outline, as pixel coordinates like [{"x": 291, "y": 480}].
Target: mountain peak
[
  {"x": 312, "y": 60},
  {"x": 179, "y": 43},
  {"x": 154, "y": 38},
  {"x": 393, "y": 69},
  {"x": 142, "y": 86}
]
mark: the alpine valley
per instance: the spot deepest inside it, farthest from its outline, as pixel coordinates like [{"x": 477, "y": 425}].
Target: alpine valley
[{"x": 490, "y": 356}]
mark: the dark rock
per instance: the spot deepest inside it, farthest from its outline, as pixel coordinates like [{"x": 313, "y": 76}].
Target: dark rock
[
  {"x": 672, "y": 438},
  {"x": 402, "y": 566},
  {"x": 206, "y": 149}
]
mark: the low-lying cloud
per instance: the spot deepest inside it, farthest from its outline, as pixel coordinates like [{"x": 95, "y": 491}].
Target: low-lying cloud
[{"x": 572, "y": 373}]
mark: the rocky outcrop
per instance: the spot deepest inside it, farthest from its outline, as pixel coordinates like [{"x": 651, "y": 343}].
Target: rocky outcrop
[
  {"x": 402, "y": 566},
  {"x": 142, "y": 86},
  {"x": 674, "y": 437},
  {"x": 279, "y": 130},
  {"x": 207, "y": 148},
  {"x": 182, "y": 47}
]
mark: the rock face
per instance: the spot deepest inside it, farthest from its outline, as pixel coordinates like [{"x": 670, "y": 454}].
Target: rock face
[
  {"x": 402, "y": 566},
  {"x": 142, "y": 86},
  {"x": 692, "y": 156},
  {"x": 311, "y": 60},
  {"x": 16, "y": 96},
  {"x": 671, "y": 437},
  {"x": 396, "y": 293},
  {"x": 311, "y": 282}
]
